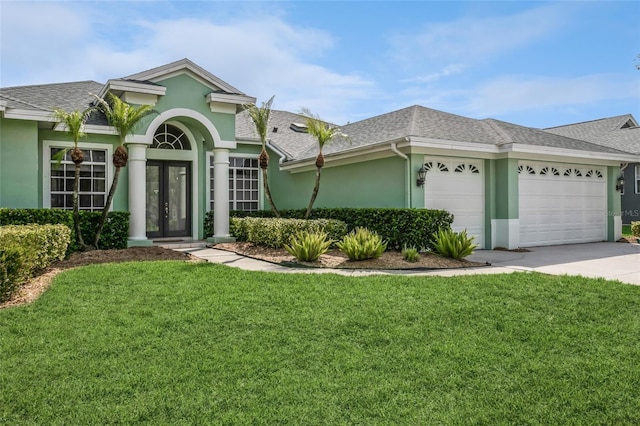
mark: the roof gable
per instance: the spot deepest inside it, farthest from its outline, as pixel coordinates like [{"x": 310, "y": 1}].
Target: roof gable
[{"x": 183, "y": 66}]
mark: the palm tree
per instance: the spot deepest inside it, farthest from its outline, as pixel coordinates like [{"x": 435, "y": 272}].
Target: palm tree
[
  {"x": 324, "y": 133},
  {"x": 260, "y": 118},
  {"x": 74, "y": 123},
  {"x": 124, "y": 118}
]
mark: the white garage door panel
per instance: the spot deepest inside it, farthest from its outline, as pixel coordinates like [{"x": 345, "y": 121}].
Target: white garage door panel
[
  {"x": 561, "y": 204},
  {"x": 457, "y": 186}
]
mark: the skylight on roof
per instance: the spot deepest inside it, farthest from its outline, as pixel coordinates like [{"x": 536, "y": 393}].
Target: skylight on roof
[{"x": 299, "y": 127}]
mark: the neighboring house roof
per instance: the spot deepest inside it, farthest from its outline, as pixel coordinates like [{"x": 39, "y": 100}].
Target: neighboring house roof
[
  {"x": 620, "y": 132},
  {"x": 415, "y": 121}
]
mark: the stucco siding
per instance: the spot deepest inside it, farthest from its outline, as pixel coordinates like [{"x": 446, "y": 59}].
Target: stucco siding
[
  {"x": 185, "y": 92},
  {"x": 19, "y": 167},
  {"x": 376, "y": 183}
]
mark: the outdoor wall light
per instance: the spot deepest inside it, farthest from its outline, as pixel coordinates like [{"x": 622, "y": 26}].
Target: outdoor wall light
[
  {"x": 620, "y": 183},
  {"x": 422, "y": 173}
]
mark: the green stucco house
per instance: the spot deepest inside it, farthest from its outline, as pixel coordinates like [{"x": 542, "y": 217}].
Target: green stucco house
[{"x": 509, "y": 185}]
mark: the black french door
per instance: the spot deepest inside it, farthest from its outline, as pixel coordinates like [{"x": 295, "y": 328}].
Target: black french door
[{"x": 168, "y": 199}]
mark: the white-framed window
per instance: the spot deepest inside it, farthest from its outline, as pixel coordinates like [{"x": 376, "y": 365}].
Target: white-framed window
[
  {"x": 95, "y": 176},
  {"x": 637, "y": 178},
  {"x": 244, "y": 183}
]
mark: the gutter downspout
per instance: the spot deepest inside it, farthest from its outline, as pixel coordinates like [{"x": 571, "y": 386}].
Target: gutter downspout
[
  {"x": 407, "y": 190},
  {"x": 275, "y": 149}
]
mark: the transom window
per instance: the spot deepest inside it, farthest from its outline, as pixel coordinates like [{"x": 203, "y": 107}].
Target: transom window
[
  {"x": 92, "y": 190},
  {"x": 243, "y": 184},
  {"x": 170, "y": 137}
]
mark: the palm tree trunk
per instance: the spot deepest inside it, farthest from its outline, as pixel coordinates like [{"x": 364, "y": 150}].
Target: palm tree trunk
[
  {"x": 267, "y": 192},
  {"x": 105, "y": 210},
  {"x": 76, "y": 208},
  {"x": 314, "y": 194}
]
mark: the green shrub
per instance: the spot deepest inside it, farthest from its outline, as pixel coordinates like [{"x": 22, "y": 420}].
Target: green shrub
[
  {"x": 455, "y": 245},
  {"x": 308, "y": 246},
  {"x": 276, "y": 233},
  {"x": 410, "y": 254},
  {"x": 114, "y": 235},
  {"x": 49, "y": 242},
  {"x": 399, "y": 227},
  {"x": 27, "y": 249},
  {"x": 362, "y": 244},
  {"x": 635, "y": 229},
  {"x": 11, "y": 261}
]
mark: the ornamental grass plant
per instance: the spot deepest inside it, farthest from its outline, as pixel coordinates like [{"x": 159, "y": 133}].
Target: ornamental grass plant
[
  {"x": 308, "y": 246},
  {"x": 456, "y": 245},
  {"x": 362, "y": 244}
]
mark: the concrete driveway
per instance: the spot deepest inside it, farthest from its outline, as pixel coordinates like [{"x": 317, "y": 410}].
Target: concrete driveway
[{"x": 614, "y": 261}]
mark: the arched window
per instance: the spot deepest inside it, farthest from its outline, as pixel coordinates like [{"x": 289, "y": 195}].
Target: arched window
[{"x": 170, "y": 137}]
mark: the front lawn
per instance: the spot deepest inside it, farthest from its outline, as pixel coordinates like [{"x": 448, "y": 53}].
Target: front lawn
[{"x": 178, "y": 343}]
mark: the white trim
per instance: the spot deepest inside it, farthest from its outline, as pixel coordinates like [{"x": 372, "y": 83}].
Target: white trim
[
  {"x": 636, "y": 181},
  {"x": 46, "y": 165},
  {"x": 140, "y": 98},
  {"x": 505, "y": 233},
  {"x": 119, "y": 85},
  {"x": 617, "y": 227},
  {"x": 567, "y": 154},
  {"x": 29, "y": 114},
  {"x": 440, "y": 147}
]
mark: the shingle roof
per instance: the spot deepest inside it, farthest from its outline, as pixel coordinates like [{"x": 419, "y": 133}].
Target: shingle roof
[
  {"x": 414, "y": 121},
  {"x": 47, "y": 97},
  {"x": 530, "y": 136},
  {"x": 620, "y": 132},
  {"x": 290, "y": 142}
]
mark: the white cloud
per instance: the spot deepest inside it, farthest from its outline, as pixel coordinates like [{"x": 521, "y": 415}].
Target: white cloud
[
  {"x": 261, "y": 56},
  {"x": 520, "y": 93},
  {"x": 471, "y": 39},
  {"x": 448, "y": 70}
]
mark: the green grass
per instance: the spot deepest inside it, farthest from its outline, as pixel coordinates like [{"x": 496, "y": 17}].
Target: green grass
[
  {"x": 626, "y": 231},
  {"x": 177, "y": 343}
]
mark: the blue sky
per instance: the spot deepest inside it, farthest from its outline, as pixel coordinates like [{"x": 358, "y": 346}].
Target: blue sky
[{"x": 537, "y": 64}]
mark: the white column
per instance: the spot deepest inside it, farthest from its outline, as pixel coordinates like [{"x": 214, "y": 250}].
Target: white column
[
  {"x": 137, "y": 194},
  {"x": 221, "y": 195}
]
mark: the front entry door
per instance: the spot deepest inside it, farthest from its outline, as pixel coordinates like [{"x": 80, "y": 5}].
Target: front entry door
[{"x": 168, "y": 199}]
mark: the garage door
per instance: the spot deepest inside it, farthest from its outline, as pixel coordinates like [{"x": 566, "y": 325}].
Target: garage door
[
  {"x": 561, "y": 204},
  {"x": 457, "y": 185}
]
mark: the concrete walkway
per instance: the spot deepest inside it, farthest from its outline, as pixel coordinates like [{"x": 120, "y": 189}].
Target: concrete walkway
[{"x": 615, "y": 261}]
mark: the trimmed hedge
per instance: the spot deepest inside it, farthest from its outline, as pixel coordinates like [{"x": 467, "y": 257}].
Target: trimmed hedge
[
  {"x": 399, "y": 227},
  {"x": 27, "y": 249},
  {"x": 114, "y": 235},
  {"x": 275, "y": 233}
]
